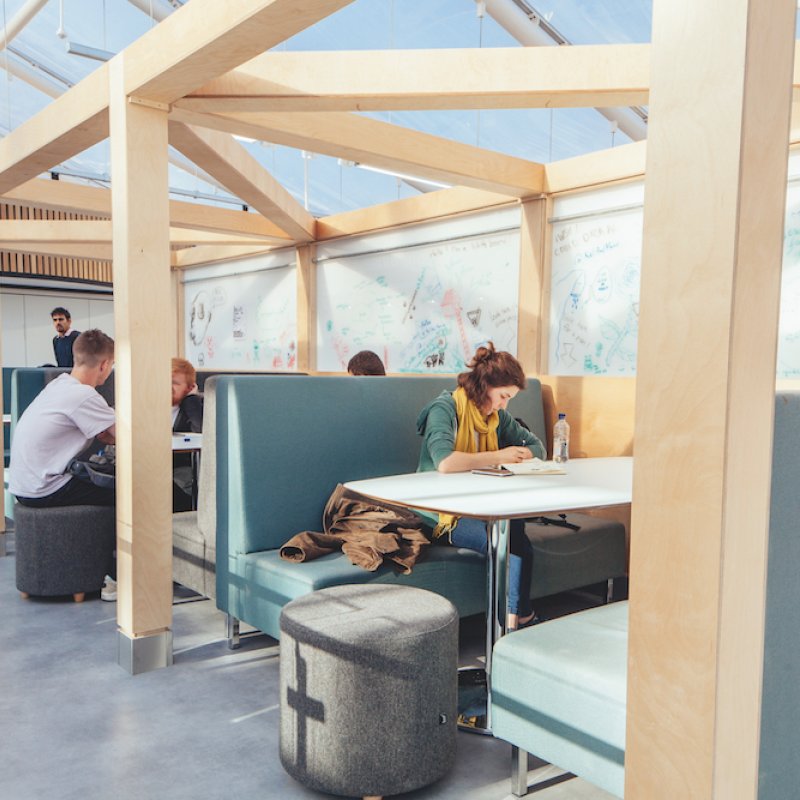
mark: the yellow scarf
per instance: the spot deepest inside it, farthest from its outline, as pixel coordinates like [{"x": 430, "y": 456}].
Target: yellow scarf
[{"x": 475, "y": 434}]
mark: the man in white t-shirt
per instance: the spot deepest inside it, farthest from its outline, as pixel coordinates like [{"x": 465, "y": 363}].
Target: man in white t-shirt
[{"x": 59, "y": 424}]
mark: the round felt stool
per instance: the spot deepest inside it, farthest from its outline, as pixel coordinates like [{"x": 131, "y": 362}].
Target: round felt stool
[
  {"x": 63, "y": 550},
  {"x": 368, "y": 681}
]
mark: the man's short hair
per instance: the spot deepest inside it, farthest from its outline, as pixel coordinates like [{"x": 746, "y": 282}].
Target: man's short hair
[
  {"x": 185, "y": 368},
  {"x": 92, "y": 347},
  {"x": 366, "y": 363},
  {"x": 59, "y": 310}
]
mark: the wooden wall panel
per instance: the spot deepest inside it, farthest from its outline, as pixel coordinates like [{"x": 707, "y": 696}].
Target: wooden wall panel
[
  {"x": 50, "y": 266},
  {"x": 600, "y": 411}
]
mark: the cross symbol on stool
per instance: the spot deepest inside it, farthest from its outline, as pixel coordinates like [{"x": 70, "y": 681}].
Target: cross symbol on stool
[{"x": 305, "y": 706}]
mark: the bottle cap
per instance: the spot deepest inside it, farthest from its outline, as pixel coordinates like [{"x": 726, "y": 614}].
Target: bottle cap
[{"x": 562, "y": 416}]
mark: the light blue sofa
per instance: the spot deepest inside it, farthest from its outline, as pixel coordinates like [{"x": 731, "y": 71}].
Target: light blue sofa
[
  {"x": 559, "y": 689},
  {"x": 278, "y": 445}
]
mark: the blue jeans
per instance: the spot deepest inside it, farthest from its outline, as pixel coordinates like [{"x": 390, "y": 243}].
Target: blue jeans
[{"x": 471, "y": 533}]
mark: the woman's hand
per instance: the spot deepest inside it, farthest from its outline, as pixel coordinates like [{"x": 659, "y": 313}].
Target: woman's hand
[{"x": 513, "y": 454}]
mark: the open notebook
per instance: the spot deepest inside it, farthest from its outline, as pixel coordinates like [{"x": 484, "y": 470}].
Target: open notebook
[{"x": 535, "y": 466}]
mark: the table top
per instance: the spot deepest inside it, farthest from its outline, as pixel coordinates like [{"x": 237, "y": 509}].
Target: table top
[
  {"x": 589, "y": 483},
  {"x": 186, "y": 442}
]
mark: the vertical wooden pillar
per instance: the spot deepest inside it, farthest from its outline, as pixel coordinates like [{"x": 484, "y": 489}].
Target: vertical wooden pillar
[
  {"x": 714, "y": 202},
  {"x": 144, "y": 324},
  {"x": 531, "y": 282},
  {"x": 306, "y": 308}
]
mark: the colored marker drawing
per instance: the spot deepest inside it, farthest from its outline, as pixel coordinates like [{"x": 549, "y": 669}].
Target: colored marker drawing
[
  {"x": 594, "y": 296},
  {"x": 243, "y": 321},
  {"x": 426, "y": 308}
]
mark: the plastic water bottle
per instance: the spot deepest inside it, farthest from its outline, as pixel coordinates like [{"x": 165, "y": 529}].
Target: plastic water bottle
[{"x": 561, "y": 440}]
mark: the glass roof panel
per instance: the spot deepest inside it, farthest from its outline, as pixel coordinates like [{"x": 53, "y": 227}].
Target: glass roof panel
[{"x": 326, "y": 184}]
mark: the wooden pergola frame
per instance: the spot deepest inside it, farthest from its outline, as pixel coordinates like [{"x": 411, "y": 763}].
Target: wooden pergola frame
[{"x": 182, "y": 84}]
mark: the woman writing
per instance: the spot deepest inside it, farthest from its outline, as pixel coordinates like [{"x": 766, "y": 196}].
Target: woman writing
[{"x": 469, "y": 429}]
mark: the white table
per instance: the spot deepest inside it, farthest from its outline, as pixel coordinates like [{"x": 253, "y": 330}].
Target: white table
[
  {"x": 190, "y": 443},
  {"x": 589, "y": 483}
]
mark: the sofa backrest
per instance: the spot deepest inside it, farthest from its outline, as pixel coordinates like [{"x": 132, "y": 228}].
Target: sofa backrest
[
  {"x": 27, "y": 382},
  {"x": 204, "y": 374},
  {"x": 283, "y": 444},
  {"x": 779, "y": 768}
]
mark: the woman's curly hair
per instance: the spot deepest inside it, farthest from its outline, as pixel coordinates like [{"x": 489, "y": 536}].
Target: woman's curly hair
[{"x": 489, "y": 369}]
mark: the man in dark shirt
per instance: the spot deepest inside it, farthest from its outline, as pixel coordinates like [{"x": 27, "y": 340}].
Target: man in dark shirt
[
  {"x": 187, "y": 417},
  {"x": 64, "y": 338}
]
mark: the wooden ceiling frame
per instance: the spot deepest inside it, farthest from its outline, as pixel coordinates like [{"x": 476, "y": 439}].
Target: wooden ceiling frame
[
  {"x": 580, "y": 76},
  {"x": 179, "y": 66},
  {"x": 222, "y": 157},
  {"x": 382, "y": 145}
]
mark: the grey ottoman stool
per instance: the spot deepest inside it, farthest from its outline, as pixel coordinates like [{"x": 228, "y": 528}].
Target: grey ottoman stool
[
  {"x": 368, "y": 677},
  {"x": 64, "y": 550}
]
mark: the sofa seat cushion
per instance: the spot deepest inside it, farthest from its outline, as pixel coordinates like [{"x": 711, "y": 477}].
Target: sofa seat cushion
[
  {"x": 193, "y": 557},
  {"x": 559, "y": 692},
  {"x": 564, "y": 559},
  {"x": 268, "y": 582}
]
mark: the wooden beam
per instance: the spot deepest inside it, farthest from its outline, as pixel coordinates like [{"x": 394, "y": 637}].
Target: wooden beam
[
  {"x": 66, "y": 126},
  {"x": 209, "y": 254},
  {"x": 77, "y": 198},
  {"x": 711, "y": 271},
  {"x": 595, "y": 169},
  {"x": 424, "y": 207},
  {"x": 21, "y": 232},
  {"x": 207, "y": 38},
  {"x": 385, "y": 146},
  {"x": 230, "y": 163},
  {"x": 374, "y": 80},
  {"x": 92, "y": 252}
]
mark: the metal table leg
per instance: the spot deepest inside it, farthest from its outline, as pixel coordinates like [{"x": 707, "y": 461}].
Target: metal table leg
[{"x": 474, "y": 684}]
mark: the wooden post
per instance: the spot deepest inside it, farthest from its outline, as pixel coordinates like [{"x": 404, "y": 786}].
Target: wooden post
[
  {"x": 531, "y": 281},
  {"x": 306, "y": 282},
  {"x": 144, "y": 324},
  {"x": 721, "y": 76}
]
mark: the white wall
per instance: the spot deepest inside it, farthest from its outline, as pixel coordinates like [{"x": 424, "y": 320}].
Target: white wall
[{"x": 28, "y": 330}]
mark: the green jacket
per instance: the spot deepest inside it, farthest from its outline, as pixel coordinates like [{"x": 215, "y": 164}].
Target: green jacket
[{"x": 437, "y": 424}]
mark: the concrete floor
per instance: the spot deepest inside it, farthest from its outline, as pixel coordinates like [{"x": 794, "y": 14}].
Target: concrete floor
[{"x": 75, "y": 726}]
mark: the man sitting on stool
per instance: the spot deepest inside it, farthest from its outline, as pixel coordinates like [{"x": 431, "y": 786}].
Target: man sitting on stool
[
  {"x": 187, "y": 417},
  {"x": 59, "y": 424}
]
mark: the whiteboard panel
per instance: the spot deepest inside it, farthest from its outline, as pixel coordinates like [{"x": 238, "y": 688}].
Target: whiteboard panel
[
  {"x": 789, "y": 325},
  {"x": 242, "y": 321},
  {"x": 594, "y": 300},
  {"x": 424, "y": 308}
]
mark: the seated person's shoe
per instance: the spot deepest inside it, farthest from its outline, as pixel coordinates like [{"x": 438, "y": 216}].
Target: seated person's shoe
[{"x": 109, "y": 590}]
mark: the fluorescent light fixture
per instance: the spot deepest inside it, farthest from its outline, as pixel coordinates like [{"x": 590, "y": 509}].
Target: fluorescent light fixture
[
  {"x": 404, "y": 177},
  {"x": 88, "y": 52},
  {"x": 244, "y": 139}
]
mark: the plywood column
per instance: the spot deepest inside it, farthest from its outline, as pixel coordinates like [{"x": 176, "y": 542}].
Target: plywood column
[
  {"x": 306, "y": 308},
  {"x": 531, "y": 281},
  {"x": 714, "y": 198},
  {"x": 144, "y": 321}
]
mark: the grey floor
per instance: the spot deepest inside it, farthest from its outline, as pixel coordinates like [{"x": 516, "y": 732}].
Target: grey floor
[{"x": 75, "y": 726}]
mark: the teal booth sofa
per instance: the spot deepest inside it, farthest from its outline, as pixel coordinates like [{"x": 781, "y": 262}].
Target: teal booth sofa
[
  {"x": 559, "y": 689},
  {"x": 275, "y": 447}
]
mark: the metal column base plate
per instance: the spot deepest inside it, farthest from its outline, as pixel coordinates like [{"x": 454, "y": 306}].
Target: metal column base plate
[
  {"x": 472, "y": 701},
  {"x": 144, "y": 653}
]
